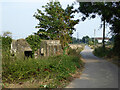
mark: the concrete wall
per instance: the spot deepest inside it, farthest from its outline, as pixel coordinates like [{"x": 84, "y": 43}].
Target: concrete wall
[
  {"x": 50, "y": 47},
  {"x": 19, "y": 47},
  {"x": 47, "y": 48}
]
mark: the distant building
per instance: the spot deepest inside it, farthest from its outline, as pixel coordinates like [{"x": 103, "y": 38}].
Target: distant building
[{"x": 101, "y": 38}]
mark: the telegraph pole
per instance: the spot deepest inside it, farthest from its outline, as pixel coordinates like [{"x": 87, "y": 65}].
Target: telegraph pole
[
  {"x": 77, "y": 37},
  {"x": 103, "y": 35},
  {"x": 94, "y": 37}
]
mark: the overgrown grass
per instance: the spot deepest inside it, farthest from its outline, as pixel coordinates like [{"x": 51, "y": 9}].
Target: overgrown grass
[
  {"x": 108, "y": 54},
  {"x": 52, "y": 71},
  {"x": 100, "y": 52}
]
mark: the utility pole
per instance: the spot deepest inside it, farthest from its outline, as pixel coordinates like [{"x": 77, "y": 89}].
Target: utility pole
[
  {"x": 103, "y": 35},
  {"x": 77, "y": 37},
  {"x": 94, "y": 37}
]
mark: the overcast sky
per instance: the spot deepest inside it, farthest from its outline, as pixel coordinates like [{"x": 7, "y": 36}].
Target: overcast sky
[{"x": 16, "y": 16}]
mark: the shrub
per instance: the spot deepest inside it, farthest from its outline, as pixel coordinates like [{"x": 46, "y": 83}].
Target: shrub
[
  {"x": 57, "y": 68},
  {"x": 6, "y": 46},
  {"x": 34, "y": 41},
  {"x": 116, "y": 47},
  {"x": 6, "y": 43},
  {"x": 71, "y": 51},
  {"x": 75, "y": 51},
  {"x": 99, "y": 52}
]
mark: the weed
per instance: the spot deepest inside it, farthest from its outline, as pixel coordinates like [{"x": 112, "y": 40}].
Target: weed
[{"x": 52, "y": 71}]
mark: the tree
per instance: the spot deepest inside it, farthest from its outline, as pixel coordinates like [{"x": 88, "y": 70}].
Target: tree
[
  {"x": 91, "y": 9},
  {"x": 109, "y": 12},
  {"x": 56, "y": 23},
  {"x": 7, "y": 34},
  {"x": 75, "y": 40},
  {"x": 34, "y": 41},
  {"x": 6, "y": 41},
  {"x": 95, "y": 41},
  {"x": 6, "y": 46},
  {"x": 85, "y": 39}
]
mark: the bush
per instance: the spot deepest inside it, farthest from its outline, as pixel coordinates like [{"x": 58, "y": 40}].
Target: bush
[
  {"x": 34, "y": 41},
  {"x": 100, "y": 52},
  {"x": 116, "y": 47},
  {"x": 71, "y": 51},
  {"x": 74, "y": 51},
  {"x": 6, "y": 43},
  {"x": 108, "y": 52},
  {"x": 57, "y": 68},
  {"x": 6, "y": 46}
]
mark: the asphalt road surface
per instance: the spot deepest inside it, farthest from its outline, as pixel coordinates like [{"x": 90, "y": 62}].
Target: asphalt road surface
[{"x": 98, "y": 73}]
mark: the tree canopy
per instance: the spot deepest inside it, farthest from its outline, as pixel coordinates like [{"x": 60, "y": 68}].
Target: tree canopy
[
  {"x": 109, "y": 12},
  {"x": 6, "y": 41},
  {"x": 7, "y": 34},
  {"x": 34, "y": 41},
  {"x": 56, "y": 22}
]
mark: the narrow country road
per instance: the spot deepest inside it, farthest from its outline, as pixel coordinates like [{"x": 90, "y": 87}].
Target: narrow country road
[{"x": 98, "y": 73}]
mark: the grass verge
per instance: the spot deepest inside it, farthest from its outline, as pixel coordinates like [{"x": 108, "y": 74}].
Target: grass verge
[{"x": 107, "y": 54}]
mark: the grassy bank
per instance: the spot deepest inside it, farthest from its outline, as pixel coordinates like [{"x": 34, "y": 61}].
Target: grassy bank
[
  {"x": 47, "y": 72},
  {"x": 108, "y": 54}
]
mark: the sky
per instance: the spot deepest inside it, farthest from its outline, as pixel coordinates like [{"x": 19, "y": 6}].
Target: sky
[{"x": 16, "y": 16}]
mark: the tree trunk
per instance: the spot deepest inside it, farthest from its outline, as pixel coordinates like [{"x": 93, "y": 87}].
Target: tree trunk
[{"x": 103, "y": 41}]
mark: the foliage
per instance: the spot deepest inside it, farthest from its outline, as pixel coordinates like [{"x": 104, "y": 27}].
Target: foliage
[
  {"x": 74, "y": 51},
  {"x": 100, "y": 52},
  {"x": 7, "y": 34},
  {"x": 90, "y": 9},
  {"x": 6, "y": 46},
  {"x": 85, "y": 39},
  {"x": 0, "y": 43},
  {"x": 34, "y": 41},
  {"x": 6, "y": 43},
  {"x": 75, "y": 40},
  {"x": 108, "y": 54},
  {"x": 89, "y": 41},
  {"x": 116, "y": 47},
  {"x": 58, "y": 70},
  {"x": 56, "y": 22},
  {"x": 109, "y": 12},
  {"x": 94, "y": 41}
]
